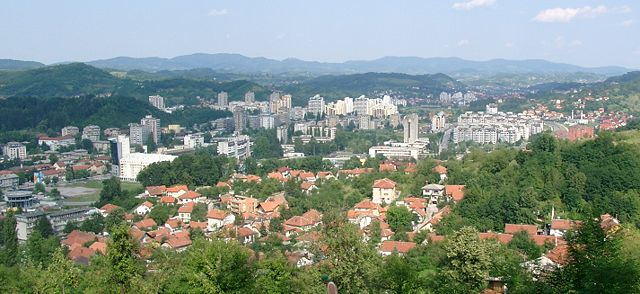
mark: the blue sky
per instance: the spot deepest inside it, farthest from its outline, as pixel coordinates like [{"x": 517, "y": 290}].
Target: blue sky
[{"x": 588, "y": 33}]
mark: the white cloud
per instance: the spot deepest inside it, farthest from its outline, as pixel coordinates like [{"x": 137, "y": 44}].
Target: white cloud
[
  {"x": 568, "y": 14},
  {"x": 218, "y": 12},
  {"x": 471, "y": 4},
  {"x": 627, "y": 23},
  {"x": 509, "y": 44},
  {"x": 462, "y": 43}
]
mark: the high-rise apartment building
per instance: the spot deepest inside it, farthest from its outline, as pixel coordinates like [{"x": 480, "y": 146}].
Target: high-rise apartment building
[
  {"x": 157, "y": 101},
  {"x": 410, "y": 124},
  {"x": 91, "y": 132},
  {"x": 70, "y": 131},
  {"x": 153, "y": 126},
  {"x": 223, "y": 99},
  {"x": 249, "y": 97},
  {"x": 239, "y": 119},
  {"x": 316, "y": 105}
]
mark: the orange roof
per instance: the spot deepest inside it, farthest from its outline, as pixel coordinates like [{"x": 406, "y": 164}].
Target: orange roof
[
  {"x": 440, "y": 169},
  {"x": 562, "y": 224},
  {"x": 455, "y": 191},
  {"x": 198, "y": 225},
  {"x": 313, "y": 215},
  {"x": 81, "y": 252},
  {"x": 367, "y": 204},
  {"x": 108, "y": 208},
  {"x": 559, "y": 254},
  {"x": 216, "y": 214},
  {"x": 502, "y": 238},
  {"x": 253, "y": 178},
  {"x": 178, "y": 242},
  {"x": 177, "y": 188},
  {"x": 532, "y": 230},
  {"x": 190, "y": 195},
  {"x": 136, "y": 233},
  {"x": 77, "y": 237},
  {"x": 156, "y": 190},
  {"x": 401, "y": 247},
  {"x": 435, "y": 238},
  {"x": 295, "y": 173},
  {"x": 269, "y": 206},
  {"x": 410, "y": 168},
  {"x": 147, "y": 204},
  {"x": 145, "y": 224},
  {"x": 223, "y": 185},
  {"x": 307, "y": 185},
  {"x": 277, "y": 176},
  {"x": 384, "y": 184},
  {"x": 186, "y": 208},
  {"x": 541, "y": 239},
  {"x": 324, "y": 174},
  {"x": 173, "y": 223},
  {"x": 244, "y": 232},
  {"x": 167, "y": 199},
  {"x": 99, "y": 247},
  {"x": 298, "y": 221},
  {"x": 306, "y": 175},
  {"x": 80, "y": 167},
  {"x": 387, "y": 167}
]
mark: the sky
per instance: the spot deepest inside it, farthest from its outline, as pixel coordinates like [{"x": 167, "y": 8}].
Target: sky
[{"x": 586, "y": 33}]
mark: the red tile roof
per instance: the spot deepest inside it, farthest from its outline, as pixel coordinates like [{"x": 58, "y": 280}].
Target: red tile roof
[
  {"x": 77, "y": 237},
  {"x": 178, "y": 242},
  {"x": 190, "y": 195},
  {"x": 245, "y": 232},
  {"x": 387, "y": 167},
  {"x": 186, "y": 208},
  {"x": 99, "y": 247},
  {"x": 440, "y": 169},
  {"x": 216, "y": 214},
  {"x": 168, "y": 200},
  {"x": 532, "y": 230},
  {"x": 455, "y": 191},
  {"x": 367, "y": 204},
  {"x": 559, "y": 254},
  {"x": 147, "y": 204},
  {"x": 146, "y": 224},
  {"x": 177, "y": 188},
  {"x": 384, "y": 184},
  {"x": 80, "y": 167},
  {"x": 108, "y": 208},
  {"x": 298, "y": 221},
  {"x": 78, "y": 253},
  {"x": 562, "y": 224},
  {"x": 502, "y": 238},
  {"x": 156, "y": 190},
  {"x": 401, "y": 247},
  {"x": 306, "y": 186},
  {"x": 313, "y": 215}
]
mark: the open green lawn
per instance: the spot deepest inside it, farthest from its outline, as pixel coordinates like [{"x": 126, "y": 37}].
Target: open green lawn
[
  {"x": 630, "y": 136},
  {"x": 94, "y": 196}
]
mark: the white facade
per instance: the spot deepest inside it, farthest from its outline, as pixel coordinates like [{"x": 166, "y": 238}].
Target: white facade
[
  {"x": 486, "y": 128},
  {"x": 236, "y": 146},
  {"x": 316, "y": 105},
  {"x": 193, "y": 140},
  {"x": 157, "y": 101},
  {"x": 223, "y": 99},
  {"x": 411, "y": 124},
  {"x": 132, "y": 164},
  {"x": 249, "y": 97},
  {"x": 15, "y": 150},
  {"x": 70, "y": 131},
  {"x": 153, "y": 126},
  {"x": 438, "y": 122},
  {"x": 91, "y": 133}
]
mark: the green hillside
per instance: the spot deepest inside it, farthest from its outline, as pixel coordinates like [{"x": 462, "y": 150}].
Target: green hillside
[{"x": 373, "y": 84}]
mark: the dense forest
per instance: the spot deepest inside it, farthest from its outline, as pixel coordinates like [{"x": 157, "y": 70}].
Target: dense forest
[{"x": 51, "y": 114}]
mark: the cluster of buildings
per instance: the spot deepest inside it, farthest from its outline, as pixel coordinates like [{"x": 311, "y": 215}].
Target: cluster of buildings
[
  {"x": 491, "y": 127},
  {"x": 412, "y": 146},
  {"x": 361, "y": 106},
  {"x": 457, "y": 98},
  {"x": 147, "y": 129}
]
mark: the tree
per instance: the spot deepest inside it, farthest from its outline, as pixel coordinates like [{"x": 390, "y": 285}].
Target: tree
[
  {"x": 53, "y": 159},
  {"x": 114, "y": 219},
  {"x": 55, "y": 193},
  {"x": 64, "y": 274},
  {"x": 39, "y": 188},
  {"x": 124, "y": 267},
  {"x": 376, "y": 233},
  {"x": 214, "y": 267},
  {"x": 400, "y": 219},
  {"x": 469, "y": 260},
  {"x": 70, "y": 227},
  {"x": 523, "y": 243},
  {"x": 397, "y": 275},
  {"x": 10, "y": 240},
  {"x": 43, "y": 226},
  {"x": 274, "y": 275},
  {"x": 160, "y": 213},
  {"x": 596, "y": 263},
  {"x": 199, "y": 212},
  {"x": 96, "y": 224},
  {"x": 39, "y": 250},
  {"x": 111, "y": 189},
  {"x": 151, "y": 143}
]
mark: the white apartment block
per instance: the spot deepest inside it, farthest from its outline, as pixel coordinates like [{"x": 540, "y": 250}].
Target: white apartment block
[
  {"x": 91, "y": 132},
  {"x": 157, "y": 101},
  {"x": 15, "y": 150},
  {"x": 236, "y": 146},
  {"x": 70, "y": 131},
  {"x": 131, "y": 164},
  {"x": 491, "y": 128}
]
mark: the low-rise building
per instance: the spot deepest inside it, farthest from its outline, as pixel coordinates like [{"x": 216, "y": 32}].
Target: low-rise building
[
  {"x": 132, "y": 164},
  {"x": 384, "y": 191},
  {"x": 59, "y": 219}
]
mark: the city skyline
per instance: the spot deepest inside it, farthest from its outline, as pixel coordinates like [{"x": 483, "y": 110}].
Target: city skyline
[{"x": 585, "y": 33}]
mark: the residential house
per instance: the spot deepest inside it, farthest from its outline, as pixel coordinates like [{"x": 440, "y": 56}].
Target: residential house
[
  {"x": 168, "y": 200},
  {"x": 108, "y": 208},
  {"x": 302, "y": 223},
  {"x": 146, "y": 224},
  {"x": 190, "y": 196},
  {"x": 217, "y": 219},
  {"x": 174, "y": 225},
  {"x": 365, "y": 212},
  {"x": 389, "y": 247},
  {"x": 387, "y": 167},
  {"x": 560, "y": 226},
  {"x": 532, "y": 230},
  {"x": 144, "y": 208},
  {"x": 155, "y": 191},
  {"x": 440, "y": 170},
  {"x": 416, "y": 205},
  {"x": 433, "y": 192},
  {"x": 454, "y": 193},
  {"x": 184, "y": 212},
  {"x": 177, "y": 191},
  {"x": 308, "y": 187},
  {"x": 246, "y": 235},
  {"x": 384, "y": 191}
]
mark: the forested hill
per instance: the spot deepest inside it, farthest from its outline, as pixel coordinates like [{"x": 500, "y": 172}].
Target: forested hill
[
  {"x": 334, "y": 87},
  {"x": 51, "y": 114},
  {"x": 12, "y": 64},
  {"x": 79, "y": 79}
]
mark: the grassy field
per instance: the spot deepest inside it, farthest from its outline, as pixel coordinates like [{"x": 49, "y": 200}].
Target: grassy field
[
  {"x": 94, "y": 196},
  {"x": 630, "y": 136}
]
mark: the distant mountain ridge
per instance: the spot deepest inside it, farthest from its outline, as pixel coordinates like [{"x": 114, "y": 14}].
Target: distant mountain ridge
[
  {"x": 236, "y": 63},
  {"x": 12, "y": 64}
]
